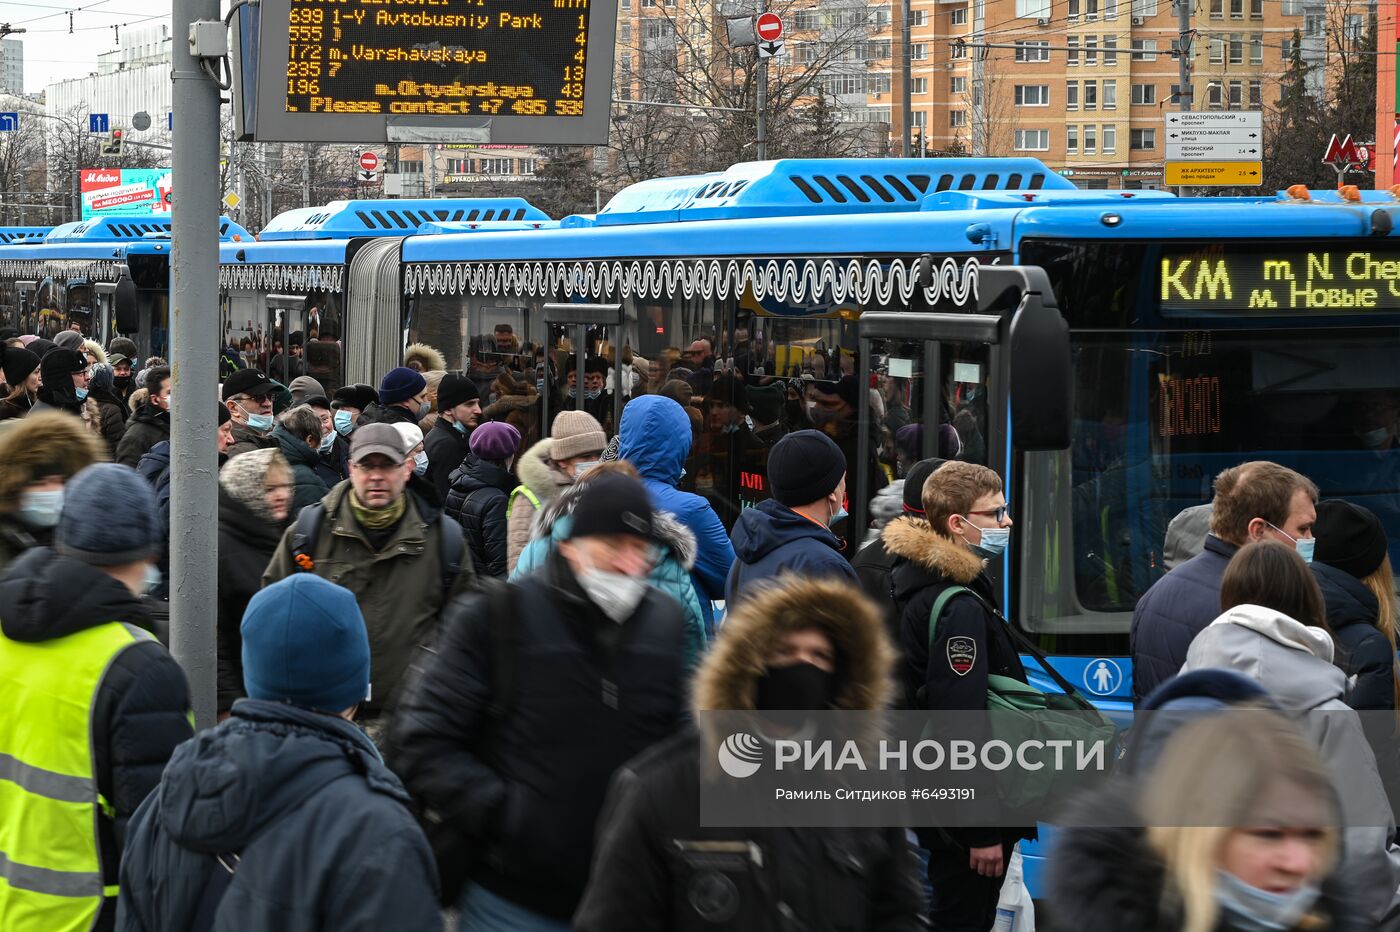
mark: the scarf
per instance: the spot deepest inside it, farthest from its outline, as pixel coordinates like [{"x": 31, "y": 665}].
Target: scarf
[{"x": 377, "y": 519}]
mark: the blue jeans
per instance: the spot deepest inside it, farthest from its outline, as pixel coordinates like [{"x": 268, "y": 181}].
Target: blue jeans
[{"x": 483, "y": 911}]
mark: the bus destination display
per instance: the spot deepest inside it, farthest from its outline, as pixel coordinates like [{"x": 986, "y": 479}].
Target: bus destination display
[
  {"x": 437, "y": 57},
  {"x": 1221, "y": 280}
]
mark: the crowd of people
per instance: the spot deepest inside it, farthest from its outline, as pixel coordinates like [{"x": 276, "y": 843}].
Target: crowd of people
[{"x": 459, "y": 667}]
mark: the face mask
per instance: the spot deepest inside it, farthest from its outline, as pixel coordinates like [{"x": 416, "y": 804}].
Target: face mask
[
  {"x": 344, "y": 423},
  {"x": 592, "y": 393},
  {"x": 326, "y": 442},
  {"x": 582, "y": 468},
  {"x": 121, "y": 381},
  {"x": 261, "y": 423},
  {"x": 617, "y": 594},
  {"x": 424, "y": 410},
  {"x": 837, "y": 515},
  {"x": 570, "y": 392},
  {"x": 994, "y": 541},
  {"x": 1304, "y": 545},
  {"x": 169, "y": 403},
  {"x": 800, "y": 686},
  {"x": 1255, "y": 910},
  {"x": 461, "y": 428},
  {"x": 539, "y": 386},
  {"x": 1374, "y": 439},
  {"x": 420, "y": 462},
  {"x": 151, "y": 579},
  {"x": 81, "y": 393},
  {"x": 41, "y": 509}
]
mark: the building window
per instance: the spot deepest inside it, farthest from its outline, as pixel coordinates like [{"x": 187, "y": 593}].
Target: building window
[
  {"x": 1032, "y": 140},
  {"x": 955, "y": 85},
  {"x": 919, "y": 51},
  {"x": 1236, "y": 48},
  {"x": 1073, "y": 16},
  {"x": 1032, "y": 95},
  {"x": 806, "y": 21},
  {"x": 1144, "y": 8},
  {"x": 1072, "y": 139},
  {"x": 625, "y": 36},
  {"x": 920, "y": 86},
  {"x": 1091, "y": 50},
  {"x": 1142, "y": 139},
  {"x": 958, "y": 17},
  {"x": 921, "y": 118},
  {"x": 880, "y": 17},
  {"x": 1032, "y": 51},
  {"x": 1354, "y": 27},
  {"x": 1071, "y": 95},
  {"x": 1256, "y": 49},
  {"x": 1091, "y": 95},
  {"x": 1256, "y": 94},
  {"x": 1292, "y": 7},
  {"x": 1214, "y": 97},
  {"x": 1236, "y": 95},
  {"x": 1217, "y": 9},
  {"x": 1256, "y": 9},
  {"x": 1110, "y": 95},
  {"x": 1110, "y": 50},
  {"x": 1091, "y": 143},
  {"x": 1145, "y": 94},
  {"x": 525, "y": 166},
  {"x": 920, "y": 17},
  {"x": 1288, "y": 47},
  {"x": 957, "y": 118},
  {"x": 1033, "y": 9},
  {"x": 457, "y": 167},
  {"x": 1110, "y": 138},
  {"x": 1072, "y": 56},
  {"x": 1237, "y": 9},
  {"x": 1313, "y": 24},
  {"x": 1144, "y": 50},
  {"x": 1217, "y": 50},
  {"x": 1110, "y": 9},
  {"x": 411, "y": 166},
  {"x": 658, "y": 29}
]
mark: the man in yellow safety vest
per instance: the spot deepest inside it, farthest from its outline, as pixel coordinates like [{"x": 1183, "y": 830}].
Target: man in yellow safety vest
[{"x": 93, "y": 705}]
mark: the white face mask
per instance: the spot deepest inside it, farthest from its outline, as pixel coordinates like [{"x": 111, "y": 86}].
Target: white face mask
[
  {"x": 420, "y": 462},
  {"x": 1259, "y": 910},
  {"x": 617, "y": 594},
  {"x": 151, "y": 579}
]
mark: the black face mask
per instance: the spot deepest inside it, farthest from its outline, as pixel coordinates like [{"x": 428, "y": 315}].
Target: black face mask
[
  {"x": 800, "y": 686},
  {"x": 121, "y": 381}
]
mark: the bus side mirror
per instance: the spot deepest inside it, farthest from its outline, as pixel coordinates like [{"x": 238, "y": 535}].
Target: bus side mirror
[
  {"x": 1040, "y": 377},
  {"x": 125, "y": 306}
]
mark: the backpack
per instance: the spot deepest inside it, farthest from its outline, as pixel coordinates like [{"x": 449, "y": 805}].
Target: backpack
[
  {"x": 1019, "y": 712},
  {"x": 307, "y": 530}
]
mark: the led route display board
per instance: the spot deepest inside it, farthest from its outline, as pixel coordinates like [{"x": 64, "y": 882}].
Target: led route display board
[
  {"x": 1284, "y": 280},
  {"x": 465, "y": 71}
]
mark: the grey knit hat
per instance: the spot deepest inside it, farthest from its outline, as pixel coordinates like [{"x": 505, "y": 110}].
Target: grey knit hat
[
  {"x": 244, "y": 478},
  {"x": 575, "y": 433},
  {"x": 108, "y": 517}
]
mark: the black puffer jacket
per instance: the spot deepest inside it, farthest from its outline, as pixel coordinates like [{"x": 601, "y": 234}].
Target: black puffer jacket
[
  {"x": 309, "y": 489},
  {"x": 140, "y": 712},
  {"x": 246, "y": 545},
  {"x": 589, "y": 695},
  {"x": 447, "y": 448},
  {"x": 322, "y": 829},
  {"x": 386, "y": 414},
  {"x": 147, "y": 427},
  {"x": 477, "y": 500},
  {"x": 1109, "y": 878}
]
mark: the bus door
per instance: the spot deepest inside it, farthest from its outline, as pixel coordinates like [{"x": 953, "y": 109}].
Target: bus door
[
  {"x": 936, "y": 381},
  {"x": 104, "y": 321},
  {"x": 287, "y": 324},
  {"x": 574, "y": 330},
  {"x": 28, "y": 321}
]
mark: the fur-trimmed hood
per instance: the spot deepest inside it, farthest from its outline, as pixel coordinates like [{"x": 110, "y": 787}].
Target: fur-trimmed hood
[
  {"x": 728, "y": 677},
  {"x": 426, "y": 357},
  {"x": 914, "y": 540},
  {"x": 538, "y": 475},
  {"x": 95, "y": 348},
  {"x": 673, "y": 535},
  {"x": 51, "y": 440}
]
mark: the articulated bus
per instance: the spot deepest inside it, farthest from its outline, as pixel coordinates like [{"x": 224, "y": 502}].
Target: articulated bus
[{"x": 111, "y": 275}]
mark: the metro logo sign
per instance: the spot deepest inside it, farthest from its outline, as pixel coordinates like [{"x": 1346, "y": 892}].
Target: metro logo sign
[{"x": 1343, "y": 154}]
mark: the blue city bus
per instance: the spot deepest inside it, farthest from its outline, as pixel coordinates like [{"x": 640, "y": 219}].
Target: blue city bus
[
  {"x": 110, "y": 275},
  {"x": 302, "y": 299},
  {"x": 1203, "y": 333}
]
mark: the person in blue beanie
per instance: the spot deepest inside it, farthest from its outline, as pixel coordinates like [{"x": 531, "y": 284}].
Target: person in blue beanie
[
  {"x": 402, "y": 399},
  {"x": 284, "y": 816}
]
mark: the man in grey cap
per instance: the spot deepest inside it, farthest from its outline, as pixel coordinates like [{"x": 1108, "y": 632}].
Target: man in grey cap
[{"x": 381, "y": 534}]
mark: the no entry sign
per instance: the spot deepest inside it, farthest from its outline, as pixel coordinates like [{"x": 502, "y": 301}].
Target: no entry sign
[
  {"x": 768, "y": 27},
  {"x": 368, "y": 161}
]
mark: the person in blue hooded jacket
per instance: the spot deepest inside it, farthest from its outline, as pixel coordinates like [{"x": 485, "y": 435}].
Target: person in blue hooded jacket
[
  {"x": 654, "y": 436},
  {"x": 791, "y": 532}
]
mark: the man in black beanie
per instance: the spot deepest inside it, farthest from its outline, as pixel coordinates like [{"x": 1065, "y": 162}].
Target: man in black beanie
[
  {"x": 65, "y": 375},
  {"x": 791, "y": 532},
  {"x": 459, "y": 411}
]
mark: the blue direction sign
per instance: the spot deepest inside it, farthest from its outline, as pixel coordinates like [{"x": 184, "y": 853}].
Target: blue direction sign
[
  {"x": 170, "y": 120},
  {"x": 9, "y": 121},
  {"x": 99, "y": 123}
]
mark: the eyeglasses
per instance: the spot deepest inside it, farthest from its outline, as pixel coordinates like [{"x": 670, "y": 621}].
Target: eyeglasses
[{"x": 1000, "y": 514}]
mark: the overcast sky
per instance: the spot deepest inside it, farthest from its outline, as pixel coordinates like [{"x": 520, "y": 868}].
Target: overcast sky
[{"x": 52, "y": 54}]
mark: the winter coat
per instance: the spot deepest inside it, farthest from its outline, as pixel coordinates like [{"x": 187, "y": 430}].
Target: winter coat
[
  {"x": 655, "y": 438},
  {"x": 307, "y": 487},
  {"x": 155, "y": 469},
  {"x": 477, "y": 501},
  {"x": 1172, "y": 612},
  {"x": 322, "y": 829},
  {"x": 589, "y": 694},
  {"x": 10, "y": 410},
  {"x": 927, "y": 563},
  {"x": 770, "y": 538},
  {"x": 653, "y": 857},
  {"x": 112, "y": 417},
  {"x": 1111, "y": 878},
  {"x": 398, "y": 585},
  {"x": 424, "y": 357},
  {"x": 386, "y": 414},
  {"x": 671, "y": 574},
  {"x": 55, "y": 443},
  {"x": 1294, "y": 663},
  {"x": 874, "y": 565},
  {"x": 140, "y": 711},
  {"x": 246, "y": 545},
  {"x": 245, "y": 440},
  {"x": 544, "y": 482},
  {"x": 447, "y": 450},
  {"x": 147, "y": 427}
]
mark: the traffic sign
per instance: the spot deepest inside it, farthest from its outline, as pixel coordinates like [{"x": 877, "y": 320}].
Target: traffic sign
[
  {"x": 141, "y": 121},
  {"x": 1213, "y": 152},
  {"x": 99, "y": 123},
  {"x": 768, "y": 27},
  {"x": 367, "y": 177},
  {"x": 769, "y": 49},
  {"x": 1214, "y": 173},
  {"x": 368, "y": 161},
  {"x": 9, "y": 121},
  {"x": 232, "y": 200},
  {"x": 1215, "y": 119}
]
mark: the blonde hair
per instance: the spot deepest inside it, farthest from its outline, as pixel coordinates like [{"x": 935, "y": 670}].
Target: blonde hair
[
  {"x": 1207, "y": 783},
  {"x": 1381, "y": 582}
]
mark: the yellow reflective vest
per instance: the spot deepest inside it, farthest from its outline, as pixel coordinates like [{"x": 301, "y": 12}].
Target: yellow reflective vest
[{"x": 51, "y": 877}]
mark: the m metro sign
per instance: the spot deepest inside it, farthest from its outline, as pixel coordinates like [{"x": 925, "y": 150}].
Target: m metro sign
[{"x": 421, "y": 71}]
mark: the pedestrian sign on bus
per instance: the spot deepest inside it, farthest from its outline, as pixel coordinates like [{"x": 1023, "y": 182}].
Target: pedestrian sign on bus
[{"x": 1102, "y": 676}]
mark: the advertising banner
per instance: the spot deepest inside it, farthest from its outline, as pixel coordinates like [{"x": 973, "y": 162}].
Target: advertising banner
[{"x": 124, "y": 192}]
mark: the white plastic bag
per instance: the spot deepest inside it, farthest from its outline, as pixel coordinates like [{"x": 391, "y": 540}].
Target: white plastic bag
[{"x": 1015, "y": 909}]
